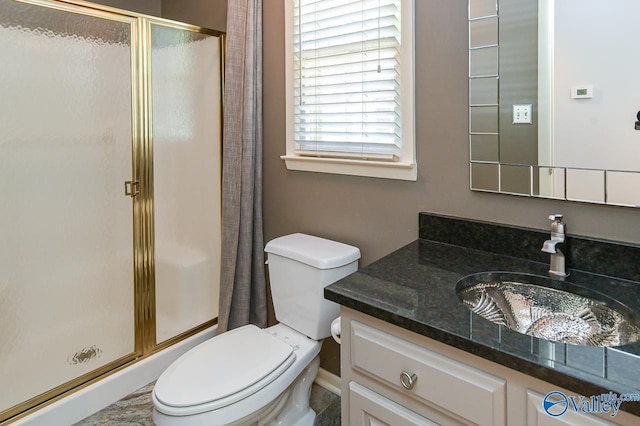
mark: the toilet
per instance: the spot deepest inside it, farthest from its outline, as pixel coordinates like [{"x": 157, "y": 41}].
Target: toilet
[{"x": 253, "y": 376}]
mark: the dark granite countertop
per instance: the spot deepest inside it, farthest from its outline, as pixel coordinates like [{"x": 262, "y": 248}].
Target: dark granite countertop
[{"x": 414, "y": 288}]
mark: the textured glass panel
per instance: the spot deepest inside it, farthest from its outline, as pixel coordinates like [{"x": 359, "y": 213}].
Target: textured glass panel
[
  {"x": 516, "y": 179},
  {"x": 479, "y": 8},
  {"x": 623, "y": 188},
  {"x": 484, "y": 331},
  {"x": 483, "y": 62},
  {"x": 186, "y": 138},
  {"x": 483, "y": 32},
  {"x": 591, "y": 360},
  {"x": 550, "y": 182},
  {"x": 61, "y": 24},
  {"x": 485, "y": 176},
  {"x": 585, "y": 185},
  {"x": 485, "y": 148},
  {"x": 549, "y": 350},
  {"x": 483, "y": 91},
  {"x": 484, "y": 119},
  {"x": 66, "y": 275},
  {"x": 622, "y": 367}
]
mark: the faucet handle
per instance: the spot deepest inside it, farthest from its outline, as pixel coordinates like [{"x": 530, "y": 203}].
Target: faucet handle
[{"x": 556, "y": 217}]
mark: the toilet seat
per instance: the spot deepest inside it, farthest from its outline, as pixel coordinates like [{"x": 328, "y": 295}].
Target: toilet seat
[{"x": 221, "y": 371}]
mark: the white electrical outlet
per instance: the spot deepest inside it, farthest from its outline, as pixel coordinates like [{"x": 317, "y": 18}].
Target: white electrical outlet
[{"x": 522, "y": 114}]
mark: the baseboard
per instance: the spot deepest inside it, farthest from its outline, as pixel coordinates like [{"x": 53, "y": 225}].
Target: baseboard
[{"x": 329, "y": 381}]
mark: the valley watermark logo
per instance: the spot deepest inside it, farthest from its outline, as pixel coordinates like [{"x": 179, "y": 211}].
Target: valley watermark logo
[{"x": 557, "y": 403}]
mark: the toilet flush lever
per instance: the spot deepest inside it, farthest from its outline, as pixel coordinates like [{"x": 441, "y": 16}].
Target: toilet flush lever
[{"x": 132, "y": 188}]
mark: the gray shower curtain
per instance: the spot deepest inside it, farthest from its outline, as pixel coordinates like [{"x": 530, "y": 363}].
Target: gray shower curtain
[{"x": 243, "y": 296}]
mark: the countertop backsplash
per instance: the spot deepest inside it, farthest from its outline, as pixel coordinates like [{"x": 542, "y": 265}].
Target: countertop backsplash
[{"x": 620, "y": 260}]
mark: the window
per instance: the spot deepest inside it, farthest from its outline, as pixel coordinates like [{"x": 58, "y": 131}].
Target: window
[{"x": 350, "y": 87}]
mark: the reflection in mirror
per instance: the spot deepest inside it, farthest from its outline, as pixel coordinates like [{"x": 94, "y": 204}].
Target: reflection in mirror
[{"x": 553, "y": 102}]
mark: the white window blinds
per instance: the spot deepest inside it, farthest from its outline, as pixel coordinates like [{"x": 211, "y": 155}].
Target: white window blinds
[{"x": 347, "y": 78}]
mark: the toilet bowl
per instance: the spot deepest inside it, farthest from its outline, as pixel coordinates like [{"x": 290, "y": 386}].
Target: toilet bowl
[
  {"x": 233, "y": 378},
  {"x": 253, "y": 376}
]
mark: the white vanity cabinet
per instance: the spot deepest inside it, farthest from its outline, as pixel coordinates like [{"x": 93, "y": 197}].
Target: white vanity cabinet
[{"x": 391, "y": 376}]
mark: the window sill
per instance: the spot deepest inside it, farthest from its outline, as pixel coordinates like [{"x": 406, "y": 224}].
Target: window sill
[{"x": 369, "y": 168}]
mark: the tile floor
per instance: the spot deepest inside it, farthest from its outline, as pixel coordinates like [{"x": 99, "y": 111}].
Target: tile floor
[{"x": 136, "y": 409}]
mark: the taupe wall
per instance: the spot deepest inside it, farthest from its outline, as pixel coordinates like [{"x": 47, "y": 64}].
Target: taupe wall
[
  {"x": 205, "y": 13},
  {"x": 380, "y": 216},
  {"x": 148, "y": 7}
]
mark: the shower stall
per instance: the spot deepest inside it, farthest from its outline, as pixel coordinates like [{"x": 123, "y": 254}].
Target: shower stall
[{"x": 110, "y": 140}]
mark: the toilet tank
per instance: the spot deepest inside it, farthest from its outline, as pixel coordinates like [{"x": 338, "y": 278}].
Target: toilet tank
[{"x": 300, "y": 267}]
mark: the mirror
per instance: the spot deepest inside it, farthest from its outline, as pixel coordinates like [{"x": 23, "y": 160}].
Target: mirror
[{"x": 553, "y": 97}]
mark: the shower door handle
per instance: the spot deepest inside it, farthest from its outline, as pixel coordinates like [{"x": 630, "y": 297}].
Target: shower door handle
[{"x": 131, "y": 188}]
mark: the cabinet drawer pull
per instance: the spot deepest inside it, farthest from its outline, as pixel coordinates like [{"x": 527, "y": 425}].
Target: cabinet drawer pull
[{"x": 408, "y": 380}]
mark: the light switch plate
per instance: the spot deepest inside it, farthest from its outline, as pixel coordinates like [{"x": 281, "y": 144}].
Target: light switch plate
[{"x": 522, "y": 114}]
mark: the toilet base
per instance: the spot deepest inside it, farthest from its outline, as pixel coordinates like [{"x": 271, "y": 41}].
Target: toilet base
[
  {"x": 308, "y": 420},
  {"x": 290, "y": 408}
]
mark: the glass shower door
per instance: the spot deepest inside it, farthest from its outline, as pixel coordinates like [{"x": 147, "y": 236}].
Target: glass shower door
[
  {"x": 186, "y": 129},
  {"x": 66, "y": 247}
]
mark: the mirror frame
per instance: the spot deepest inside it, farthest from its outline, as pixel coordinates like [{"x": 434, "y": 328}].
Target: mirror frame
[{"x": 488, "y": 174}]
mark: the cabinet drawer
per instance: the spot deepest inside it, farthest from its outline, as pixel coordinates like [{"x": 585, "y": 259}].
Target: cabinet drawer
[
  {"x": 370, "y": 409},
  {"x": 468, "y": 392}
]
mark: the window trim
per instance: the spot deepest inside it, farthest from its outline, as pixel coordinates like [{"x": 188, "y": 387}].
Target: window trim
[{"x": 403, "y": 169}]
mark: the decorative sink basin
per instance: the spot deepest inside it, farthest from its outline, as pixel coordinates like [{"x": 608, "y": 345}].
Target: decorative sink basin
[{"x": 530, "y": 305}]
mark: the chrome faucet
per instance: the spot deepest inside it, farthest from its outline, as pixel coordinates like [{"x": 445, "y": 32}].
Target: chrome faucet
[{"x": 557, "y": 264}]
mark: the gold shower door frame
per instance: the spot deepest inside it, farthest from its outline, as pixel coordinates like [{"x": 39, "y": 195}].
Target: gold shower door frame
[{"x": 142, "y": 199}]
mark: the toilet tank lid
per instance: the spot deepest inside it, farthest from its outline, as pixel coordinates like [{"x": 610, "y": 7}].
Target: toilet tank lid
[{"x": 314, "y": 251}]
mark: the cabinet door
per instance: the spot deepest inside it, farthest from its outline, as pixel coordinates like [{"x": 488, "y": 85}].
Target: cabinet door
[
  {"x": 536, "y": 416},
  {"x": 370, "y": 409}
]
